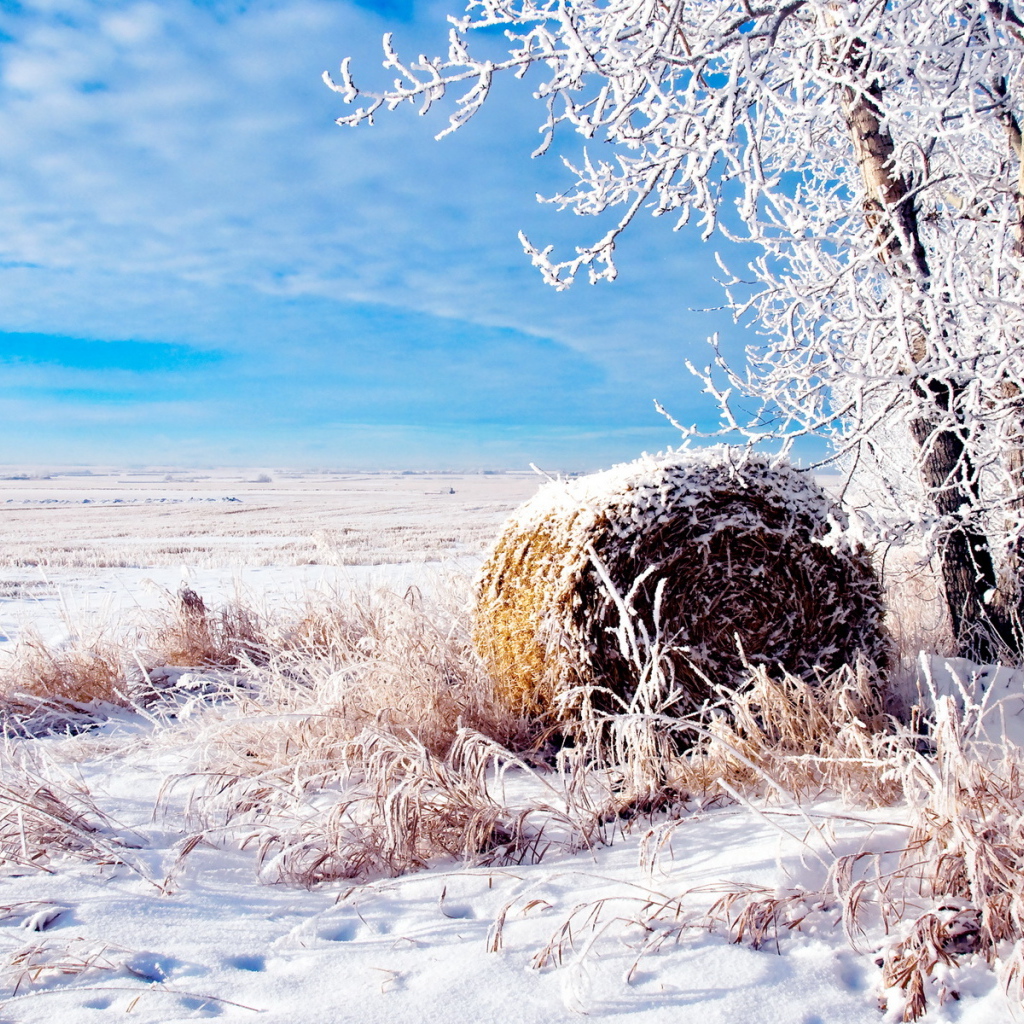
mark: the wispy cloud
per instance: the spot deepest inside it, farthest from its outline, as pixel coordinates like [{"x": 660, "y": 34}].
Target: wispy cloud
[{"x": 171, "y": 173}]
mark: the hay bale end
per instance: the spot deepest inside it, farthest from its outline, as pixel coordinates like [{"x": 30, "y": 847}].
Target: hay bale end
[{"x": 750, "y": 558}]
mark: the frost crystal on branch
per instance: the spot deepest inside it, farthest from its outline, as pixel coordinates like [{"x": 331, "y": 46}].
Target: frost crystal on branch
[{"x": 873, "y": 152}]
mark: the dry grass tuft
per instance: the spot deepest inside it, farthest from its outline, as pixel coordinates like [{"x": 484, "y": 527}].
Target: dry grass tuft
[
  {"x": 395, "y": 663},
  {"x": 731, "y": 561},
  {"x": 392, "y": 807},
  {"x": 38, "y": 963},
  {"x": 365, "y": 746},
  {"x": 784, "y": 735},
  {"x": 44, "y": 818},
  {"x": 80, "y": 672},
  {"x": 775, "y": 740},
  {"x": 47, "y": 687},
  {"x": 194, "y": 636},
  {"x": 961, "y": 869}
]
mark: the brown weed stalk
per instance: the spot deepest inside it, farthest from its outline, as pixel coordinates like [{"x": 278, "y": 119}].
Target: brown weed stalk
[{"x": 391, "y": 806}]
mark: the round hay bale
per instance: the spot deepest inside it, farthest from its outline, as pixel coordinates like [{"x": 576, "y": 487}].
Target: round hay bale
[{"x": 754, "y": 564}]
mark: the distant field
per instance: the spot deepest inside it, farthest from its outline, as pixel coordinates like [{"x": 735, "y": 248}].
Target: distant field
[
  {"x": 80, "y": 547},
  {"x": 220, "y": 520}
]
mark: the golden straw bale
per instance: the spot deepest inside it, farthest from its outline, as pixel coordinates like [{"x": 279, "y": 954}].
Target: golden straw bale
[{"x": 749, "y": 556}]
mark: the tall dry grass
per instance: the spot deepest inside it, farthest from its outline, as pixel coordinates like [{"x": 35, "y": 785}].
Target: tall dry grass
[
  {"x": 365, "y": 745},
  {"x": 190, "y": 634},
  {"x": 360, "y": 737},
  {"x": 916, "y": 615},
  {"x": 950, "y": 895},
  {"x": 392, "y": 806},
  {"x": 47, "y": 815},
  {"x": 76, "y": 673},
  {"x": 322, "y": 673}
]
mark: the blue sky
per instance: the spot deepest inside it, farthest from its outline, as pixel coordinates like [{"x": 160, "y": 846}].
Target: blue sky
[{"x": 198, "y": 267}]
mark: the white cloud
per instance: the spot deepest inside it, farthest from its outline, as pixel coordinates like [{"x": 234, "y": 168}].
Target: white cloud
[
  {"x": 172, "y": 172},
  {"x": 165, "y": 140}
]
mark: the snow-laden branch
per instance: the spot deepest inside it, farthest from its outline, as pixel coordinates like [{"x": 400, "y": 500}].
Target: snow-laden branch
[{"x": 872, "y": 151}]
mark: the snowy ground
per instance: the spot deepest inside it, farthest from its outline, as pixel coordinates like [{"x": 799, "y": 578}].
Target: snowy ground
[
  {"x": 173, "y": 939},
  {"x": 415, "y": 948},
  {"x": 83, "y": 549},
  {"x": 205, "y": 939}
]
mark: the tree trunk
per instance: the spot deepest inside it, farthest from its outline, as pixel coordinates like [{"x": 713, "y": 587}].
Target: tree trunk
[
  {"x": 968, "y": 572},
  {"x": 946, "y": 470},
  {"x": 1009, "y": 391}
]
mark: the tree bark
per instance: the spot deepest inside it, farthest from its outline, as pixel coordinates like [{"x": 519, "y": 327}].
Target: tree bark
[
  {"x": 1010, "y": 594},
  {"x": 968, "y": 570},
  {"x": 944, "y": 462}
]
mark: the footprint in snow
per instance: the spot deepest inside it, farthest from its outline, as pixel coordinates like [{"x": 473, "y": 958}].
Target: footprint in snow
[
  {"x": 852, "y": 976},
  {"x": 200, "y": 1006},
  {"x": 458, "y": 911},
  {"x": 246, "y": 963},
  {"x": 340, "y": 931},
  {"x": 151, "y": 966}
]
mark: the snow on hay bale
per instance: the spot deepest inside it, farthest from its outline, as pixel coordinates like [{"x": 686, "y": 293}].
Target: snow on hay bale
[{"x": 754, "y": 563}]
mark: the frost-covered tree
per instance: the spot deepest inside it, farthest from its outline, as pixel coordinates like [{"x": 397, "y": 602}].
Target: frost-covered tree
[{"x": 872, "y": 150}]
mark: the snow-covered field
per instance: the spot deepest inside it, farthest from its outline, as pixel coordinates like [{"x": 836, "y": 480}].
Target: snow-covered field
[
  {"x": 418, "y": 947},
  {"x": 84, "y": 548},
  {"x": 171, "y": 922}
]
